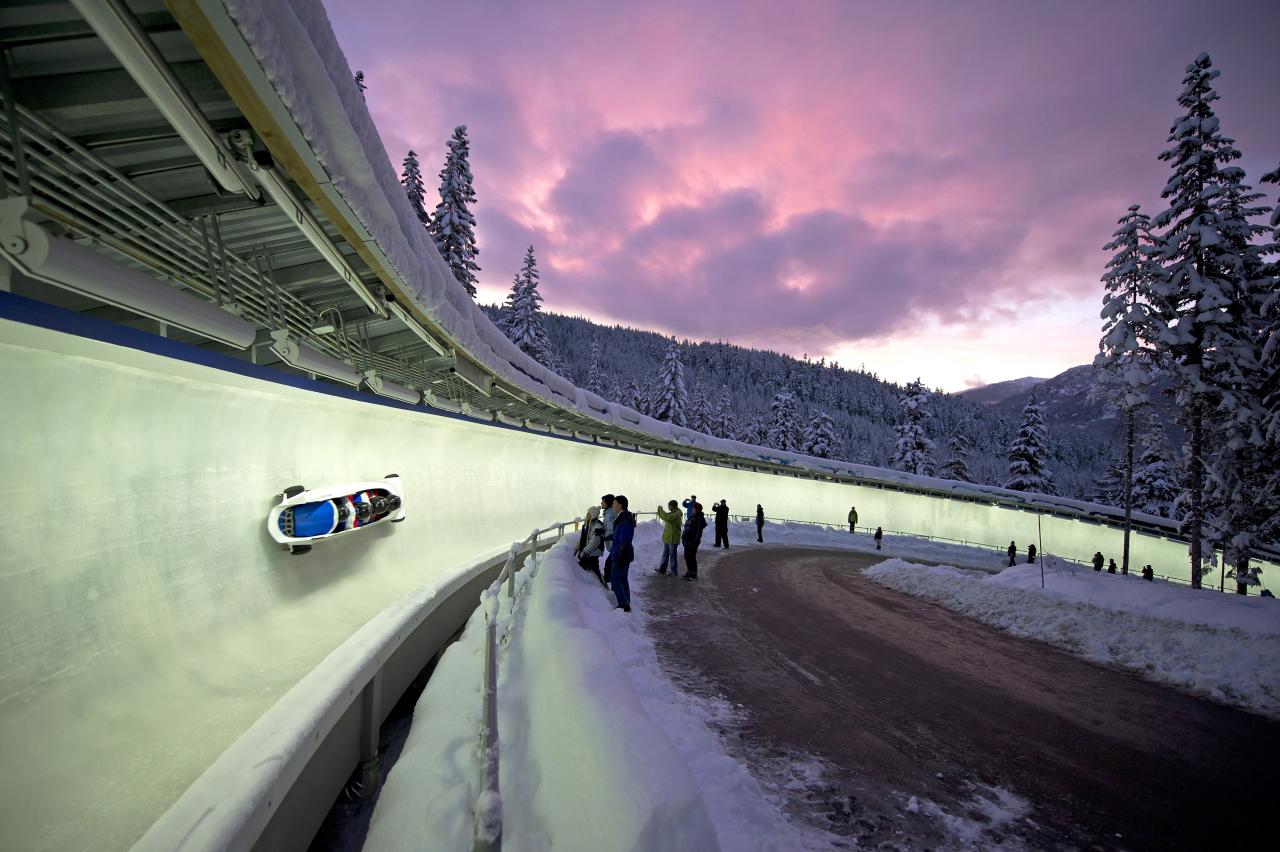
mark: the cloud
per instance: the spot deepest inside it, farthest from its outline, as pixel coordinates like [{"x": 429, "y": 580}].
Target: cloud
[{"x": 806, "y": 181}]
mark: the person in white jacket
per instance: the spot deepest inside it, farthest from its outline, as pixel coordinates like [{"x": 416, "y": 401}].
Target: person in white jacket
[
  {"x": 591, "y": 543},
  {"x": 607, "y": 517}
]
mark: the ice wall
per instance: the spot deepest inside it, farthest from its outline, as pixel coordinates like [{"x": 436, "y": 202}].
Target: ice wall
[{"x": 146, "y": 619}]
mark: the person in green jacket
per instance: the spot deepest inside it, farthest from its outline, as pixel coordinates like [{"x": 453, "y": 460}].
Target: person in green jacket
[
  {"x": 853, "y": 517},
  {"x": 671, "y": 519}
]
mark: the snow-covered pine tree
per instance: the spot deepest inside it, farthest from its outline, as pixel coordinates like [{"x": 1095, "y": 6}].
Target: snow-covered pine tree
[
  {"x": 669, "y": 399},
  {"x": 452, "y": 225},
  {"x": 784, "y": 421},
  {"x": 521, "y": 315},
  {"x": 1155, "y": 484},
  {"x": 722, "y": 416},
  {"x": 360, "y": 84},
  {"x": 615, "y": 392},
  {"x": 1189, "y": 296},
  {"x": 1270, "y": 366},
  {"x": 914, "y": 451},
  {"x": 698, "y": 415},
  {"x": 1127, "y": 352},
  {"x": 1027, "y": 455},
  {"x": 957, "y": 466},
  {"x": 1241, "y": 509},
  {"x": 595, "y": 375},
  {"x": 633, "y": 397},
  {"x": 754, "y": 431},
  {"x": 411, "y": 179},
  {"x": 1108, "y": 488},
  {"x": 820, "y": 439}
]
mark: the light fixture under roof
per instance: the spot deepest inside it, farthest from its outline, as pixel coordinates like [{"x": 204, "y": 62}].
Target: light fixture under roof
[
  {"x": 82, "y": 270},
  {"x": 298, "y": 354},
  {"x": 390, "y": 389}
]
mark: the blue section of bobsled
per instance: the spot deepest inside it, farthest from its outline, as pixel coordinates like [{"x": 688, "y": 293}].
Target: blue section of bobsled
[{"x": 311, "y": 519}]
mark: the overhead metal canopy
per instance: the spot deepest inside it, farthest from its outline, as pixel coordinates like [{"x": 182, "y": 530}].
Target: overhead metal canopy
[{"x": 109, "y": 168}]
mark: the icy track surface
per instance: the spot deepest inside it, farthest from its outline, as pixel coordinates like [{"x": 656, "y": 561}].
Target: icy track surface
[
  {"x": 599, "y": 750},
  {"x": 1223, "y": 647}
]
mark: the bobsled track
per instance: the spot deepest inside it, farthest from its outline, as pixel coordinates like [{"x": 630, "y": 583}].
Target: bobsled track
[{"x": 215, "y": 289}]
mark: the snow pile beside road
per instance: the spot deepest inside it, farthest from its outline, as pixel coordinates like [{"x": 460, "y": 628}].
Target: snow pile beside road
[
  {"x": 1228, "y": 662},
  {"x": 1158, "y": 599},
  {"x": 598, "y": 750}
]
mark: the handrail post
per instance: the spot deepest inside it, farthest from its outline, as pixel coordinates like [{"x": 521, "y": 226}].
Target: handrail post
[{"x": 488, "y": 816}]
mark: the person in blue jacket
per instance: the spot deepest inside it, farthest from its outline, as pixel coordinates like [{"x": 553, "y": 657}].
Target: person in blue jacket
[
  {"x": 688, "y": 507},
  {"x": 621, "y": 552}
]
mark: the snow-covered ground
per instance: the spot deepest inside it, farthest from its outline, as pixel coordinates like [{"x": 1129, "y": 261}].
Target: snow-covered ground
[
  {"x": 599, "y": 750},
  {"x": 1225, "y": 647}
]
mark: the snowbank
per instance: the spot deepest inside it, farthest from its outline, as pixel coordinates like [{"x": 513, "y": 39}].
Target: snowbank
[
  {"x": 1158, "y": 599},
  {"x": 1220, "y": 646},
  {"x": 599, "y": 750},
  {"x": 582, "y": 766}
]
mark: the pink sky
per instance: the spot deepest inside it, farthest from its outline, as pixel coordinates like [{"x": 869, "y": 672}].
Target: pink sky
[{"x": 920, "y": 187}]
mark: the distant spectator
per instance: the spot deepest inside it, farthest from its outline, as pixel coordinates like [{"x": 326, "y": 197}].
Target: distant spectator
[
  {"x": 853, "y": 517},
  {"x": 1098, "y": 559},
  {"x": 688, "y": 506},
  {"x": 1013, "y": 553},
  {"x": 1148, "y": 574},
  {"x": 607, "y": 516},
  {"x": 1265, "y": 593},
  {"x": 721, "y": 511},
  {"x": 624, "y": 528},
  {"x": 591, "y": 543},
  {"x": 759, "y": 523},
  {"x": 691, "y": 538},
  {"x": 1124, "y": 569},
  {"x": 878, "y": 537},
  {"x": 1111, "y": 566},
  {"x": 670, "y": 518},
  {"x": 1031, "y": 553}
]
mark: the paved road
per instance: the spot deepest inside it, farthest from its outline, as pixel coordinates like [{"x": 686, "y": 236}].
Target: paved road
[{"x": 905, "y": 698}]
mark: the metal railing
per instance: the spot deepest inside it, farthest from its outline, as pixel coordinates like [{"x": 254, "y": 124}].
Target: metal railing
[
  {"x": 488, "y": 808},
  {"x": 102, "y": 207}
]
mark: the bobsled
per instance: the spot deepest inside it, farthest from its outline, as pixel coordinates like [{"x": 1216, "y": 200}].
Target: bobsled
[{"x": 301, "y": 518}]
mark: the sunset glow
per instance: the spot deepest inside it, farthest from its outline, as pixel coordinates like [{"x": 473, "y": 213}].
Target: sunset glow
[{"x": 868, "y": 182}]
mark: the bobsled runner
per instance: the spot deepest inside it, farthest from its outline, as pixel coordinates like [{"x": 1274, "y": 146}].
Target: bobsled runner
[{"x": 301, "y": 518}]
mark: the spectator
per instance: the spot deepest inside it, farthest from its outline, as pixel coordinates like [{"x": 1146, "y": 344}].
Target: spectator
[
  {"x": 1013, "y": 553},
  {"x": 691, "y": 538},
  {"x": 1124, "y": 569},
  {"x": 1111, "y": 566},
  {"x": 853, "y": 517},
  {"x": 878, "y": 536},
  {"x": 1031, "y": 553},
  {"x": 591, "y": 543},
  {"x": 688, "y": 506},
  {"x": 624, "y": 528},
  {"x": 1148, "y": 574},
  {"x": 760, "y": 523},
  {"x": 1097, "y": 561},
  {"x": 607, "y": 517},
  {"x": 1265, "y": 593},
  {"x": 670, "y": 518},
  {"x": 721, "y": 511}
]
